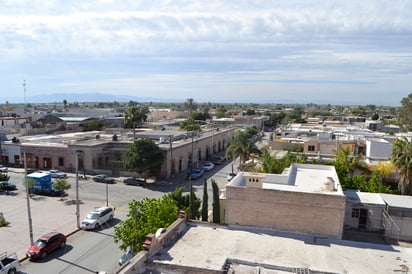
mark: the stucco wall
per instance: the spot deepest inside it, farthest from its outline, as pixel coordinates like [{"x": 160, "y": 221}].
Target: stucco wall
[{"x": 317, "y": 214}]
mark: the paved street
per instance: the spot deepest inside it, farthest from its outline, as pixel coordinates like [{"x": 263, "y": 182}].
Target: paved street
[{"x": 52, "y": 214}]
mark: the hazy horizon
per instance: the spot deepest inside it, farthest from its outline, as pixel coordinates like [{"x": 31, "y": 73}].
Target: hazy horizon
[{"x": 333, "y": 52}]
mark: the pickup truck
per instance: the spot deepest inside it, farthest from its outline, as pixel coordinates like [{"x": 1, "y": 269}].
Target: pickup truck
[{"x": 8, "y": 263}]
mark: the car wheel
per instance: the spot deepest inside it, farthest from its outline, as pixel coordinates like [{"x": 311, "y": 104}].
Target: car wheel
[
  {"x": 111, "y": 218},
  {"x": 43, "y": 255},
  {"x": 62, "y": 244},
  {"x": 96, "y": 226},
  {"x": 12, "y": 271}
]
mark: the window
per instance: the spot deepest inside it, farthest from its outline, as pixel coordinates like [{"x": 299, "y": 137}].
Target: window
[
  {"x": 311, "y": 148},
  {"x": 61, "y": 161},
  {"x": 355, "y": 212}
]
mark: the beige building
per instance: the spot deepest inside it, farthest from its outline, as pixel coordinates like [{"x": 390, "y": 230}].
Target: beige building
[
  {"x": 105, "y": 152},
  {"x": 305, "y": 198}
]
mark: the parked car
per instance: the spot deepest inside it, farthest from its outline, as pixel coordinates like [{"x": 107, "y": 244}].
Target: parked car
[
  {"x": 133, "y": 181},
  {"x": 208, "y": 166},
  {"x": 55, "y": 173},
  {"x": 126, "y": 256},
  {"x": 3, "y": 168},
  {"x": 32, "y": 170},
  {"x": 217, "y": 160},
  {"x": 53, "y": 192},
  {"x": 46, "y": 244},
  {"x": 8, "y": 263},
  {"x": 98, "y": 217},
  {"x": 230, "y": 176},
  {"x": 195, "y": 174},
  {"x": 103, "y": 178},
  {"x": 7, "y": 186}
]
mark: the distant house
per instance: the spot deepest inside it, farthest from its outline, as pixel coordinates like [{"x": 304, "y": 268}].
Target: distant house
[{"x": 378, "y": 149}]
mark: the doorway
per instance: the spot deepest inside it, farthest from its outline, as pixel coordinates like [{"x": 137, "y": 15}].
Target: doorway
[{"x": 363, "y": 217}]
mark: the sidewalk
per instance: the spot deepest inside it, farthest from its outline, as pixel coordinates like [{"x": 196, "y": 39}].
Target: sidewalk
[{"x": 47, "y": 214}]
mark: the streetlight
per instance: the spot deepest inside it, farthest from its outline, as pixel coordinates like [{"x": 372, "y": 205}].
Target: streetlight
[{"x": 28, "y": 199}]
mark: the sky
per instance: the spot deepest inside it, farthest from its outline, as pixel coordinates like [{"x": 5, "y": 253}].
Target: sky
[{"x": 324, "y": 52}]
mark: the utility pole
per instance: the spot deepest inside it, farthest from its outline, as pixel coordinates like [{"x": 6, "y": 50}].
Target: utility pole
[
  {"x": 172, "y": 168},
  {"x": 191, "y": 164},
  {"x": 77, "y": 188},
  {"x": 28, "y": 199}
]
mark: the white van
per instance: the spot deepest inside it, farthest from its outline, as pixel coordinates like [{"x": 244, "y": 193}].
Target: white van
[{"x": 98, "y": 217}]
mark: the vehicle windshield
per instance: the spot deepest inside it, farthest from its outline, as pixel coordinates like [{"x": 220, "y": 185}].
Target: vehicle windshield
[
  {"x": 40, "y": 243},
  {"x": 92, "y": 216}
]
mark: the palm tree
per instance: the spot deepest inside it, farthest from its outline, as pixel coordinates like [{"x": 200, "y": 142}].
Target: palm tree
[
  {"x": 402, "y": 159},
  {"x": 135, "y": 116},
  {"x": 241, "y": 147},
  {"x": 190, "y": 105}
]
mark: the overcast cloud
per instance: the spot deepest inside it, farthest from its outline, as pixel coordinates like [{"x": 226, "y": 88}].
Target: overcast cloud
[{"x": 338, "y": 52}]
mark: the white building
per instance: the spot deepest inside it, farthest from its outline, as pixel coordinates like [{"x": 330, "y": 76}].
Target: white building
[
  {"x": 363, "y": 210},
  {"x": 378, "y": 149}
]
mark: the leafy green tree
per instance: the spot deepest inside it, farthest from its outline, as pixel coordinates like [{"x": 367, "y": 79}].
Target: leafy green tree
[
  {"x": 189, "y": 124},
  {"x": 349, "y": 165},
  {"x": 275, "y": 119},
  {"x": 405, "y": 113},
  {"x": 373, "y": 185},
  {"x": 135, "y": 116},
  {"x": 216, "y": 203},
  {"x": 3, "y": 221},
  {"x": 92, "y": 125},
  {"x": 205, "y": 210},
  {"x": 144, "y": 156},
  {"x": 62, "y": 185},
  {"x": 250, "y": 112},
  {"x": 183, "y": 201},
  {"x": 402, "y": 159},
  {"x": 4, "y": 177},
  {"x": 375, "y": 117},
  {"x": 145, "y": 217},
  {"x": 180, "y": 199},
  {"x": 192, "y": 203},
  {"x": 199, "y": 116},
  {"x": 220, "y": 111}
]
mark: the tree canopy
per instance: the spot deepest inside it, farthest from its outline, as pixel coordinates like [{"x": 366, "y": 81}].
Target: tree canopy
[
  {"x": 150, "y": 214},
  {"x": 61, "y": 184},
  {"x": 145, "y": 217},
  {"x": 405, "y": 113},
  {"x": 144, "y": 156},
  {"x": 135, "y": 116},
  {"x": 190, "y": 124},
  {"x": 402, "y": 159}
]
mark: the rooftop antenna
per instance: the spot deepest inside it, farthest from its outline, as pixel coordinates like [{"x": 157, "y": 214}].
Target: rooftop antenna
[{"x": 24, "y": 87}]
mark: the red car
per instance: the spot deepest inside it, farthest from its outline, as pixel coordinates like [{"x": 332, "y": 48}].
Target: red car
[{"x": 46, "y": 244}]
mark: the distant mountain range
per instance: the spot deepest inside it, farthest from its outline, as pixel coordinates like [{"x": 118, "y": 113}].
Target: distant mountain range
[{"x": 85, "y": 97}]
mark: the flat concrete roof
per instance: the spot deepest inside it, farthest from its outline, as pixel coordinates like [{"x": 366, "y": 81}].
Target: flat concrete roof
[
  {"x": 400, "y": 201},
  {"x": 306, "y": 178},
  {"x": 357, "y": 197},
  {"x": 210, "y": 247}
]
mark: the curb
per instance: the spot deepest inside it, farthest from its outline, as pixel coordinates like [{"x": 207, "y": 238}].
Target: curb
[{"x": 67, "y": 235}]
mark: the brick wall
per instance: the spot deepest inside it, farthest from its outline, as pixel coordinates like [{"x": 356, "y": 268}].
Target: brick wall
[{"x": 313, "y": 213}]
